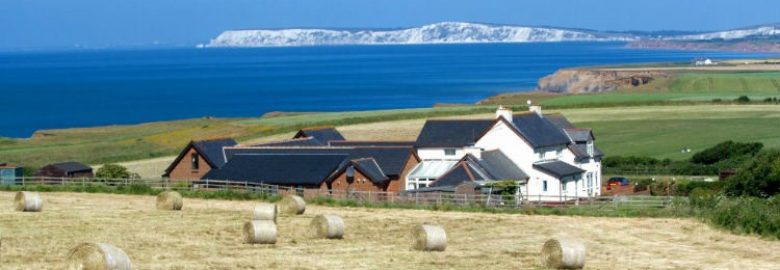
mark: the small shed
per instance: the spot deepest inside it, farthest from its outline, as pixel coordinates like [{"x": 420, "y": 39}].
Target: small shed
[
  {"x": 9, "y": 173},
  {"x": 65, "y": 169}
]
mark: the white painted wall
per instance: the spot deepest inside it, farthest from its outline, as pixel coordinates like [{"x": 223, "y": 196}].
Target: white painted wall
[{"x": 439, "y": 153}]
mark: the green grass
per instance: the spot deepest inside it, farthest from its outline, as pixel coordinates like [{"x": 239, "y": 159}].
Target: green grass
[
  {"x": 132, "y": 142},
  {"x": 663, "y": 131},
  {"x": 744, "y": 83}
]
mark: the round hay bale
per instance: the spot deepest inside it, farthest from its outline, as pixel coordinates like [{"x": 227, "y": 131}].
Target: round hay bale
[
  {"x": 265, "y": 211},
  {"x": 563, "y": 253},
  {"x": 327, "y": 226},
  {"x": 260, "y": 232},
  {"x": 292, "y": 205},
  {"x": 28, "y": 201},
  {"x": 97, "y": 256},
  {"x": 429, "y": 237},
  {"x": 169, "y": 200}
]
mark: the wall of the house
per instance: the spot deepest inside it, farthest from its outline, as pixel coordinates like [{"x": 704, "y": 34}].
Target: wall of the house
[
  {"x": 399, "y": 184},
  {"x": 183, "y": 170},
  {"x": 360, "y": 183},
  {"x": 438, "y": 153}
]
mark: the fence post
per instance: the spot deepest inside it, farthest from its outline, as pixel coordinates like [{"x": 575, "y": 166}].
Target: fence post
[{"x": 22, "y": 180}]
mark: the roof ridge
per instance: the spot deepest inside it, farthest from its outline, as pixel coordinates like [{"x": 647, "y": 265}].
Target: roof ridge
[{"x": 214, "y": 139}]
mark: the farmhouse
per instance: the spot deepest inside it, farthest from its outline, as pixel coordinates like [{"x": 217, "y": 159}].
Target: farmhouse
[
  {"x": 65, "y": 169},
  {"x": 198, "y": 158},
  {"x": 551, "y": 158},
  {"x": 8, "y": 173}
]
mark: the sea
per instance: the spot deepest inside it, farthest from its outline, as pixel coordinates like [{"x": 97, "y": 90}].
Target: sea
[{"x": 84, "y": 88}]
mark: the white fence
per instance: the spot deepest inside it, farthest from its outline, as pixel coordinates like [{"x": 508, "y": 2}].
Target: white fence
[{"x": 398, "y": 198}]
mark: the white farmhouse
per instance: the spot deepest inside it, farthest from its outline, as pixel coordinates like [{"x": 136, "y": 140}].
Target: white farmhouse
[{"x": 546, "y": 156}]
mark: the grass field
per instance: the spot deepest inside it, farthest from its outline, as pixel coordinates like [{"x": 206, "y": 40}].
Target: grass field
[
  {"x": 681, "y": 88},
  {"x": 207, "y": 235}
]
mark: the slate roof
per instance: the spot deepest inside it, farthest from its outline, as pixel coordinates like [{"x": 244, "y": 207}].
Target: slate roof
[
  {"x": 579, "y": 134},
  {"x": 452, "y": 133},
  {"x": 280, "y": 169},
  {"x": 538, "y": 130},
  {"x": 323, "y": 135},
  {"x": 391, "y": 160},
  {"x": 373, "y": 143},
  {"x": 299, "y": 142},
  {"x": 500, "y": 166},
  {"x": 457, "y": 175},
  {"x": 211, "y": 150},
  {"x": 68, "y": 167},
  {"x": 580, "y": 150},
  {"x": 370, "y": 169},
  {"x": 558, "y": 168},
  {"x": 559, "y": 120},
  {"x": 493, "y": 166}
]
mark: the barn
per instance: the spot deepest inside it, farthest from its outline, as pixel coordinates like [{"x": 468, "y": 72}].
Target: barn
[
  {"x": 65, "y": 169},
  {"x": 198, "y": 158}
]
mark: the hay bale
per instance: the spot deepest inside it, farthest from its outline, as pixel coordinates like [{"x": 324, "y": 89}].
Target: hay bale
[
  {"x": 260, "y": 232},
  {"x": 169, "y": 200},
  {"x": 563, "y": 253},
  {"x": 28, "y": 201},
  {"x": 292, "y": 205},
  {"x": 428, "y": 237},
  {"x": 265, "y": 211},
  {"x": 98, "y": 256},
  {"x": 327, "y": 226}
]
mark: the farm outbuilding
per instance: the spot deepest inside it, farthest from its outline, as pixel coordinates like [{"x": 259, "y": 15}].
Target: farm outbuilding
[
  {"x": 8, "y": 173},
  {"x": 198, "y": 158},
  {"x": 65, "y": 169}
]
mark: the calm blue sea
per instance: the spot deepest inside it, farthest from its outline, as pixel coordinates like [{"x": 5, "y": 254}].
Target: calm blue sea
[{"x": 45, "y": 90}]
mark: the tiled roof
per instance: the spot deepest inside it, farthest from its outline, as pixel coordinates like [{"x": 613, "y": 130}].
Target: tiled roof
[
  {"x": 279, "y": 169},
  {"x": 559, "y": 120},
  {"x": 452, "y": 133},
  {"x": 558, "y": 168}
]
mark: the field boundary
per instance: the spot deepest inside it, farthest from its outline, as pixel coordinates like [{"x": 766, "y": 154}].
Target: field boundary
[{"x": 407, "y": 198}]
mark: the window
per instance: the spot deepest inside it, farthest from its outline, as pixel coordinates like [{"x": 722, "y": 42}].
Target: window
[
  {"x": 540, "y": 154},
  {"x": 544, "y": 185},
  {"x": 590, "y": 183},
  {"x": 449, "y": 152},
  {"x": 563, "y": 186},
  {"x": 350, "y": 174},
  {"x": 558, "y": 153},
  {"x": 194, "y": 162}
]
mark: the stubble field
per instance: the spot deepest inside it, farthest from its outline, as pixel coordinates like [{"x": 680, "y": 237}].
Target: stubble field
[{"x": 207, "y": 235}]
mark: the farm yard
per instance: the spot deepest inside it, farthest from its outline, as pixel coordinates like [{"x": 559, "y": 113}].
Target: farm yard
[{"x": 206, "y": 234}]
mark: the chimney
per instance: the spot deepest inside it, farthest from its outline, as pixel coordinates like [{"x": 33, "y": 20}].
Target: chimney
[
  {"x": 535, "y": 108},
  {"x": 504, "y": 112}
]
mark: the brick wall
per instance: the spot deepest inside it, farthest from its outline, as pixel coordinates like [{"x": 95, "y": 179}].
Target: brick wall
[{"x": 183, "y": 170}]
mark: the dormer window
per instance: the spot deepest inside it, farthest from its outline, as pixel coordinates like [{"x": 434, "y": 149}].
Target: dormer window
[{"x": 590, "y": 148}]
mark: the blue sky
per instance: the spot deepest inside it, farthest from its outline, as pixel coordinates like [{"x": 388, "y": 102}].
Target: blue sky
[{"x": 33, "y": 24}]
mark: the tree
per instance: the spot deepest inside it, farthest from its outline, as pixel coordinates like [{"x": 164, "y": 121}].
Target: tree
[
  {"x": 759, "y": 178},
  {"x": 112, "y": 171},
  {"x": 742, "y": 99}
]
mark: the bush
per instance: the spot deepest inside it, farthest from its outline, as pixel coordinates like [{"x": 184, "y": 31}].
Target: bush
[
  {"x": 112, "y": 171},
  {"x": 704, "y": 198},
  {"x": 749, "y": 215},
  {"x": 742, "y": 99},
  {"x": 717, "y": 100},
  {"x": 759, "y": 178},
  {"x": 726, "y": 150}
]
